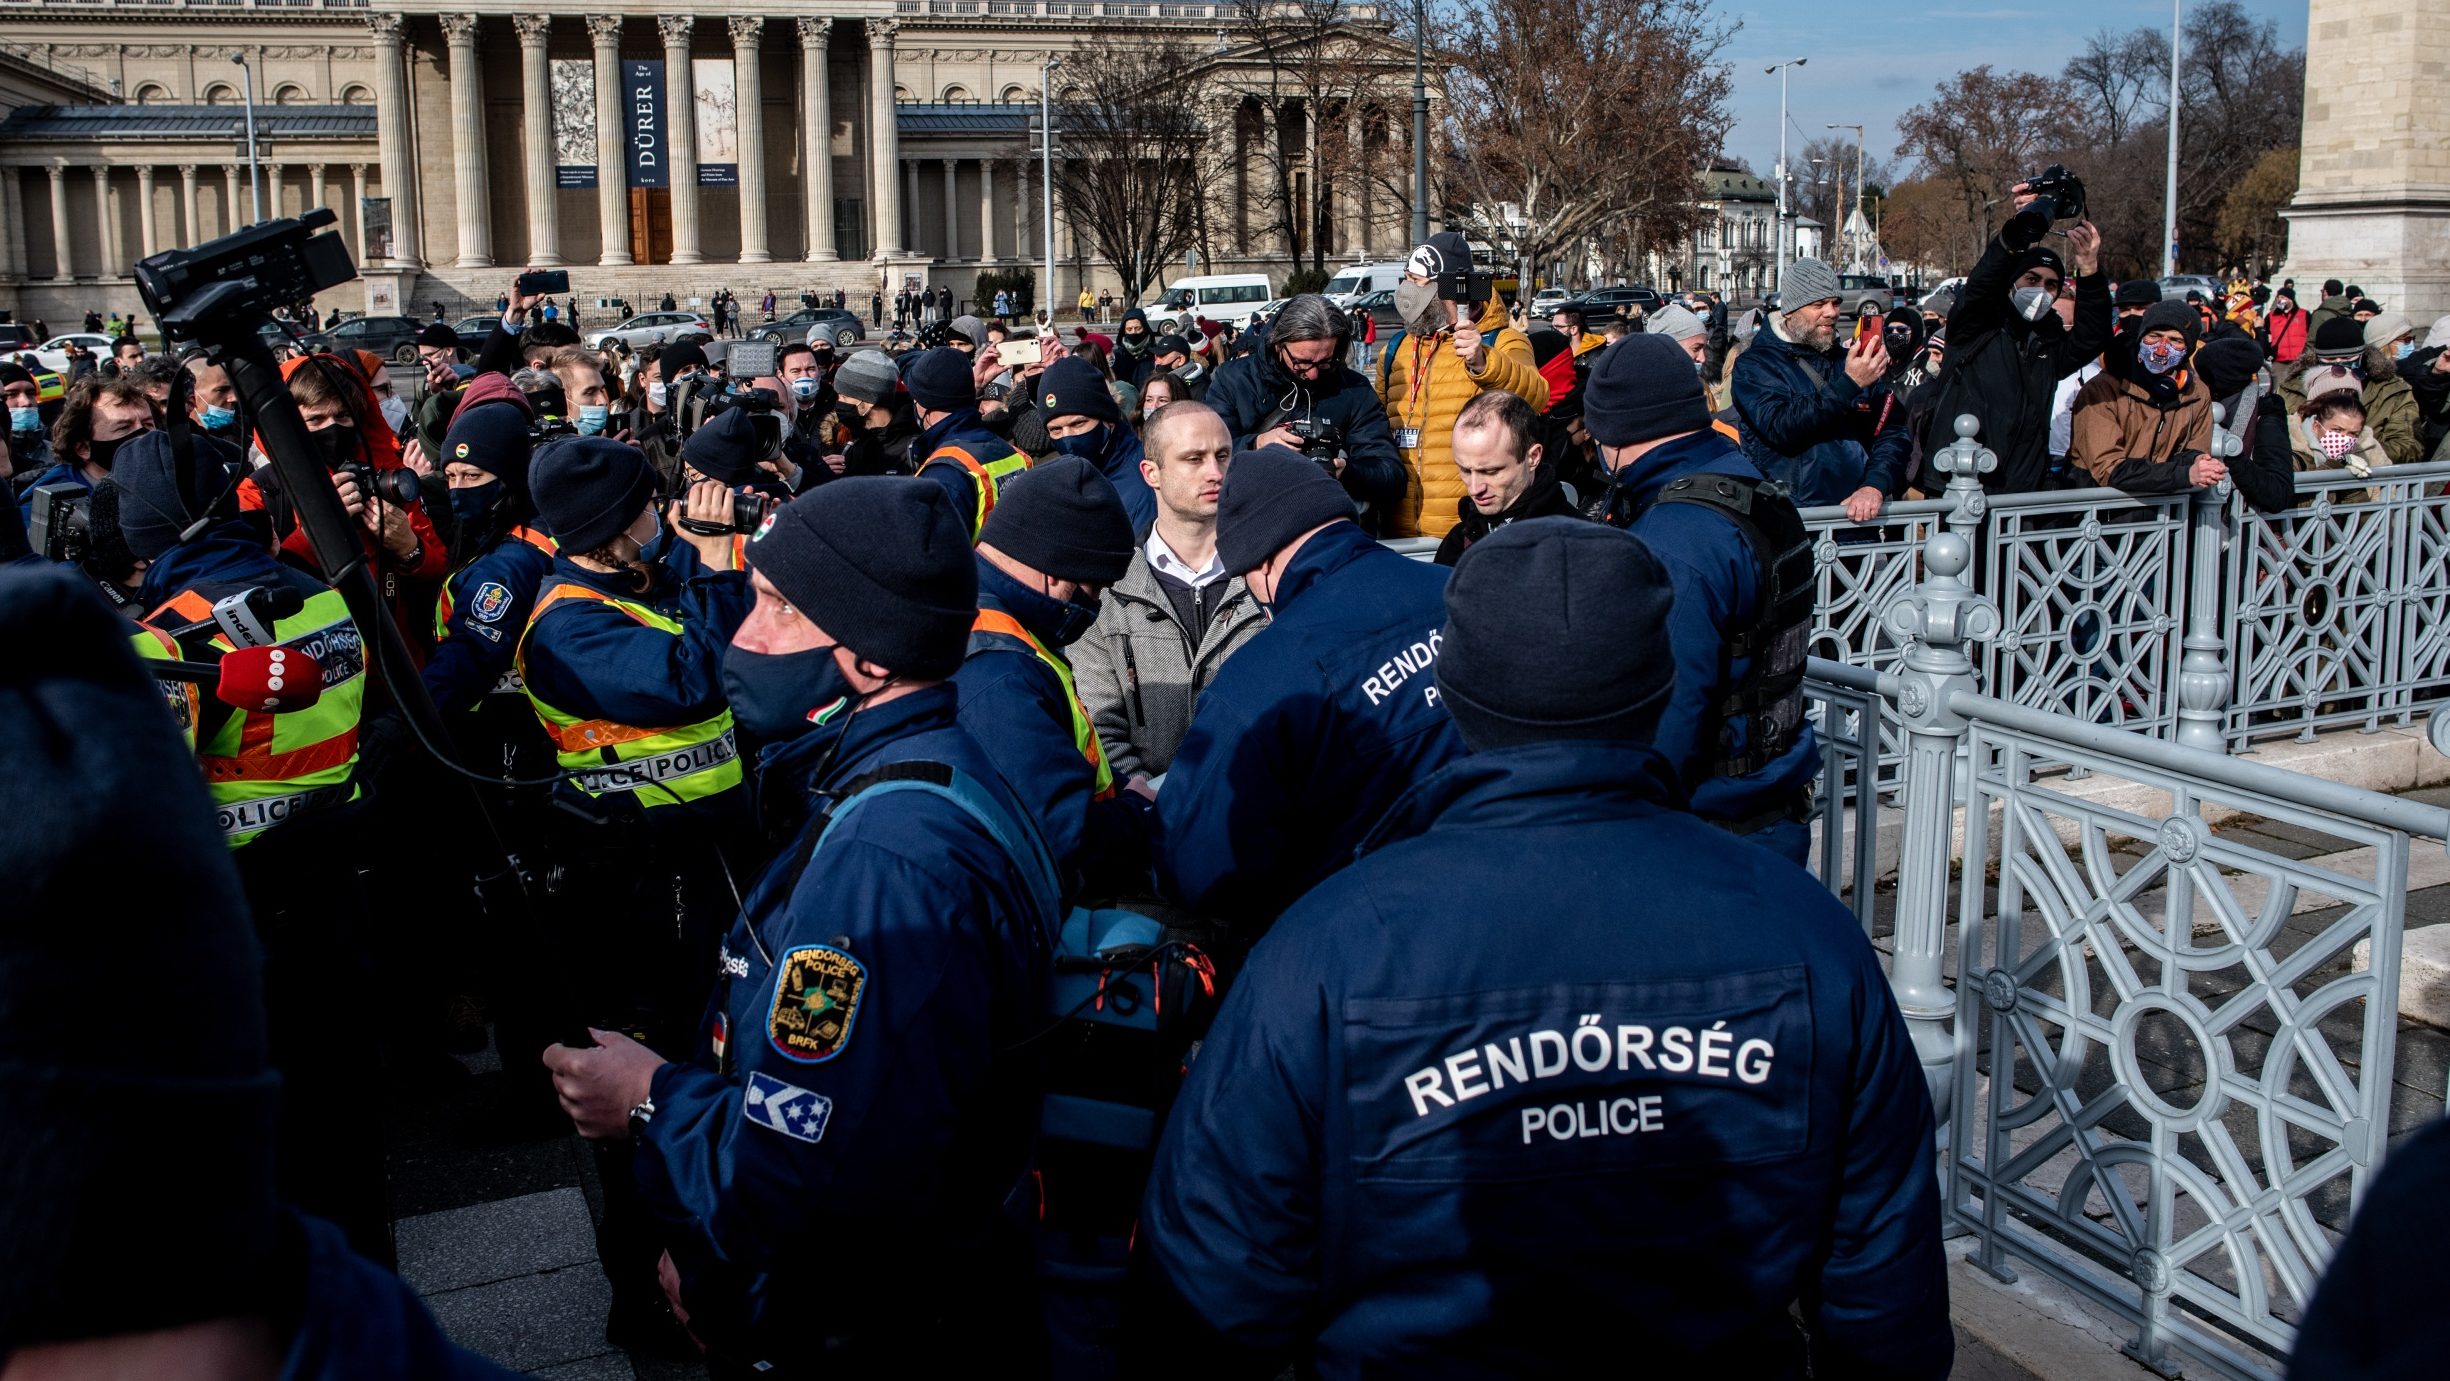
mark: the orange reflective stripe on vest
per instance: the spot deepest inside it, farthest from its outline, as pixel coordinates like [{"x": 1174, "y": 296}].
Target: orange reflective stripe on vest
[
  {"x": 588, "y": 733},
  {"x": 1084, "y": 730}
]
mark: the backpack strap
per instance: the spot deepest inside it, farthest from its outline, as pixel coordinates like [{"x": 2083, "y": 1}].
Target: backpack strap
[{"x": 1019, "y": 840}]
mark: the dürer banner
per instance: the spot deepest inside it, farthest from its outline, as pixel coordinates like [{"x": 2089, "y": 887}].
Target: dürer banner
[{"x": 642, "y": 103}]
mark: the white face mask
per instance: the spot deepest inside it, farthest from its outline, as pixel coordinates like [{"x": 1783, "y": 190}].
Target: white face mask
[
  {"x": 658, "y": 394},
  {"x": 2032, "y": 303},
  {"x": 395, "y": 412}
]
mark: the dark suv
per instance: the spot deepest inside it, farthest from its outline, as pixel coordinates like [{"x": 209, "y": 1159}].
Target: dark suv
[
  {"x": 392, "y": 337},
  {"x": 1600, "y": 304}
]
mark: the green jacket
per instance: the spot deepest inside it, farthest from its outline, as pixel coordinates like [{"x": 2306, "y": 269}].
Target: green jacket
[{"x": 2390, "y": 412}]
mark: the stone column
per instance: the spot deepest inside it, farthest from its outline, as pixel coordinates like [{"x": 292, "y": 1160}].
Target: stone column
[
  {"x": 536, "y": 132},
  {"x": 681, "y": 123},
  {"x": 391, "y": 137},
  {"x": 884, "y": 139},
  {"x": 1356, "y": 176},
  {"x": 314, "y": 185},
  {"x": 611, "y": 142},
  {"x": 749, "y": 127},
  {"x": 470, "y": 181},
  {"x": 2373, "y": 172},
  {"x": 64, "y": 269},
  {"x": 106, "y": 225},
  {"x": 229, "y": 199},
  {"x": 12, "y": 225},
  {"x": 910, "y": 200},
  {"x": 354, "y": 216},
  {"x": 952, "y": 209},
  {"x": 986, "y": 210},
  {"x": 817, "y": 136},
  {"x": 148, "y": 230},
  {"x": 272, "y": 191}
]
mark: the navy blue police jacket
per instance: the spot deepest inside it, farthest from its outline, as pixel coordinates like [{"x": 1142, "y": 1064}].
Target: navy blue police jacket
[
  {"x": 965, "y": 430},
  {"x": 1716, "y": 581},
  {"x": 1017, "y": 709},
  {"x": 1120, "y": 464},
  {"x": 1309, "y": 731},
  {"x": 588, "y": 659},
  {"x": 485, "y": 605},
  {"x": 359, "y": 1322},
  {"x": 845, "y": 1128},
  {"x": 1556, "y": 1070}
]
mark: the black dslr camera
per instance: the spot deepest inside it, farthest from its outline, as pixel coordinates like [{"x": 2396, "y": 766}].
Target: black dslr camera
[
  {"x": 1321, "y": 440},
  {"x": 748, "y": 514},
  {"x": 398, "y": 488},
  {"x": 62, "y": 528},
  {"x": 2058, "y": 193}
]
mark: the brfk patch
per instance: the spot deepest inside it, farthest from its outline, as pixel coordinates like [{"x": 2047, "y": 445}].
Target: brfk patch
[{"x": 817, "y": 991}]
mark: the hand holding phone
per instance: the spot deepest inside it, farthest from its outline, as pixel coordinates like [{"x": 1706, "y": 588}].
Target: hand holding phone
[
  {"x": 1013, "y": 354},
  {"x": 544, "y": 282}
]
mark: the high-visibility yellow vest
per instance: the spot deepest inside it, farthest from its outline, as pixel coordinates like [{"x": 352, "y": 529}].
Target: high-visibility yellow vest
[
  {"x": 987, "y": 477},
  {"x": 663, "y": 766},
  {"x": 262, "y": 768},
  {"x": 183, "y": 697},
  {"x": 447, "y": 602},
  {"x": 1084, "y": 731}
]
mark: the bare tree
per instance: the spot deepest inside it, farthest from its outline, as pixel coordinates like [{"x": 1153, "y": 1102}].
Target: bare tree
[
  {"x": 1128, "y": 148},
  {"x": 1321, "y": 69},
  {"x": 1583, "y": 116},
  {"x": 2120, "y": 81},
  {"x": 1984, "y": 131}
]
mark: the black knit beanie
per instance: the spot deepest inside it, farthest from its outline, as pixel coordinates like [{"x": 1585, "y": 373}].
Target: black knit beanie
[
  {"x": 1271, "y": 496},
  {"x": 940, "y": 380},
  {"x": 494, "y": 438},
  {"x": 136, "y": 1136},
  {"x": 1073, "y": 387},
  {"x": 1063, "y": 518},
  {"x": 726, "y": 447},
  {"x": 1556, "y": 628},
  {"x": 589, "y": 490},
  {"x": 2340, "y": 338},
  {"x": 163, "y": 490},
  {"x": 1643, "y": 388},
  {"x": 882, "y": 564}
]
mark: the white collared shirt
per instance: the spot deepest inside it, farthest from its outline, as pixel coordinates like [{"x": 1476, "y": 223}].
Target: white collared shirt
[{"x": 1161, "y": 559}]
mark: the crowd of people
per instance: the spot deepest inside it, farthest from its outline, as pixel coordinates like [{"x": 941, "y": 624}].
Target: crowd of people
[{"x": 997, "y": 857}]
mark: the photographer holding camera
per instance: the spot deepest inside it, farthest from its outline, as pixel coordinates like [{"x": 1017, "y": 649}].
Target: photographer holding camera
[
  {"x": 2007, "y": 350},
  {"x": 1297, "y": 381},
  {"x": 1456, "y": 343}
]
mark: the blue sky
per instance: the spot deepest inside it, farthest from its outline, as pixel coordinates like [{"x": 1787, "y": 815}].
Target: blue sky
[{"x": 1871, "y": 62}]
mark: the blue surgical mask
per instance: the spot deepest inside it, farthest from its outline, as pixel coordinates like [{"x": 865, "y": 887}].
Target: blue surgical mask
[
  {"x": 778, "y": 696},
  {"x": 1088, "y": 445},
  {"x": 25, "y": 419},
  {"x": 470, "y": 505},
  {"x": 592, "y": 418},
  {"x": 218, "y": 419},
  {"x": 805, "y": 389},
  {"x": 2406, "y": 348}
]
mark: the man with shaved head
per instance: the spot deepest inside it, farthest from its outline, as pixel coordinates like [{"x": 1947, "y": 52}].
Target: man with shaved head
[{"x": 1164, "y": 630}]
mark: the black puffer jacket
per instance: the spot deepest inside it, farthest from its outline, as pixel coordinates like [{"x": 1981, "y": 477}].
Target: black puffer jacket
[
  {"x": 2006, "y": 370},
  {"x": 1546, "y": 498}
]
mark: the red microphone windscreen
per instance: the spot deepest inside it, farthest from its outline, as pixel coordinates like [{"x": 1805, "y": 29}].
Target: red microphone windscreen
[{"x": 269, "y": 680}]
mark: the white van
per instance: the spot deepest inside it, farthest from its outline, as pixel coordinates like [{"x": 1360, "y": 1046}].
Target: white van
[
  {"x": 1353, "y": 284},
  {"x": 1232, "y": 298}
]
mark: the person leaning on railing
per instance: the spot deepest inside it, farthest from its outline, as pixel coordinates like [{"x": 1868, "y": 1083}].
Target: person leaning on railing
[{"x": 2144, "y": 424}]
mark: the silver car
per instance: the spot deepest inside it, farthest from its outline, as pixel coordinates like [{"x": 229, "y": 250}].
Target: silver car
[{"x": 650, "y": 328}]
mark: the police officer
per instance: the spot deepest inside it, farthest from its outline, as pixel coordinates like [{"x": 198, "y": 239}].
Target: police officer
[
  {"x": 284, "y": 790},
  {"x": 832, "y": 1157},
  {"x": 622, "y": 661},
  {"x": 1052, "y": 546},
  {"x": 145, "y": 1231},
  {"x": 1322, "y": 720},
  {"x": 954, "y": 448},
  {"x": 1083, "y": 420},
  {"x": 1742, "y": 565},
  {"x": 500, "y": 556},
  {"x": 1599, "y": 1078}
]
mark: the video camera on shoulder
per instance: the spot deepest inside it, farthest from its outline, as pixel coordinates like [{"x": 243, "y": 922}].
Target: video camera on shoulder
[
  {"x": 62, "y": 526},
  {"x": 2058, "y": 194}
]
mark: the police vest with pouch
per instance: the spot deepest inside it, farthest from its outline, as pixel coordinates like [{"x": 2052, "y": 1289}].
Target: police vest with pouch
[
  {"x": 263, "y": 769},
  {"x": 659, "y": 765},
  {"x": 1768, "y": 700}
]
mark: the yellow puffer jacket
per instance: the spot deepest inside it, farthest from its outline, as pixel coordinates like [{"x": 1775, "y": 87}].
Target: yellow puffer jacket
[{"x": 1424, "y": 387}]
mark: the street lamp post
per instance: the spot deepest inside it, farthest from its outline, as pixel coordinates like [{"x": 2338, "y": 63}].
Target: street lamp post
[
  {"x": 2169, "y": 220},
  {"x": 1420, "y": 122},
  {"x": 1781, "y": 69},
  {"x": 1046, "y": 180},
  {"x": 255, "y": 171}
]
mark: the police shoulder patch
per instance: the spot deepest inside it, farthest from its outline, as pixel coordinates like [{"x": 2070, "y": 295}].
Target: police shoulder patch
[
  {"x": 491, "y": 603},
  {"x": 786, "y": 1108},
  {"x": 817, "y": 990}
]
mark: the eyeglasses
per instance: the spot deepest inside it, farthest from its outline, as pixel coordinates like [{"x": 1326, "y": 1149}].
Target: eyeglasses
[{"x": 1296, "y": 364}]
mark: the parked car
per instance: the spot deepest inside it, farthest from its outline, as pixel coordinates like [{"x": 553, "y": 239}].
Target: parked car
[
  {"x": 392, "y": 337},
  {"x": 812, "y": 324},
  {"x": 1547, "y": 300},
  {"x": 1600, "y": 304},
  {"x": 1232, "y": 298},
  {"x": 651, "y": 328},
  {"x": 1865, "y": 292},
  {"x": 278, "y": 334},
  {"x": 16, "y": 336},
  {"x": 1379, "y": 307},
  {"x": 472, "y": 330},
  {"x": 2175, "y": 289},
  {"x": 791, "y": 327},
  {"x": 1951, "y": 286},
  {"x": 54, "y": 352},
  {"x": 1352, "y": 284}
]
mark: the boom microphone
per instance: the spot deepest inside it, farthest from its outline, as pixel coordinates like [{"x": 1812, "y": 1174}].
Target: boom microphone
[{"x": 263, "y": 680}]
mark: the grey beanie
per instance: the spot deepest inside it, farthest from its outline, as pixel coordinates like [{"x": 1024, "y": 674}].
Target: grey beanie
[
  {"x": 868, "y": 377},
  {"x": 1676, "y": 323},
  {"x": 1556, "y": 628},
  {"x": 1805, "y": 282}
]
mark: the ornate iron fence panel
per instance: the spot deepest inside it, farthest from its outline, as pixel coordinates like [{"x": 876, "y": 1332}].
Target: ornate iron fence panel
[
  {"x": 1847, "y": 717},
  {"x": 2170, "y": 1084},
  {"x": 2090, "y": 586}
]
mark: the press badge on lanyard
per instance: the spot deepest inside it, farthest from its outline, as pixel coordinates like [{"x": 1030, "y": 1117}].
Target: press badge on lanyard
[{"x": 1407, "y": 438}]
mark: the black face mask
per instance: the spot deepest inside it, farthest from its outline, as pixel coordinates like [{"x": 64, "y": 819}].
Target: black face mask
[
  {"x": 103, "y": 454},
  {"x": 337, "y": 445},
  {"x": 778, "y": 696},
  {"x": 852, "y": 415}
]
